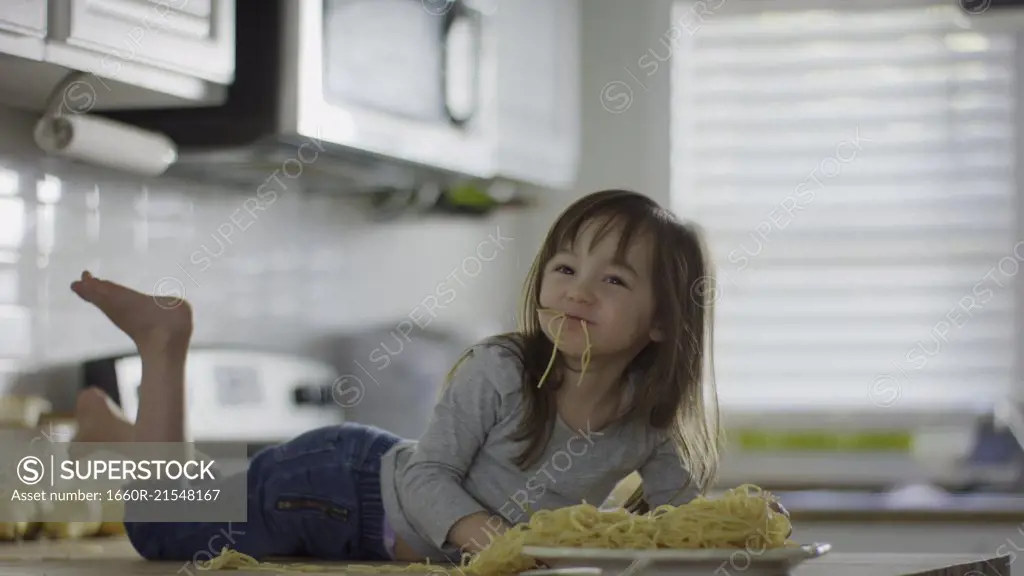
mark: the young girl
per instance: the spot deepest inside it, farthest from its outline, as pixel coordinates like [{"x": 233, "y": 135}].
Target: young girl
[{"x": 604, "y": 377}]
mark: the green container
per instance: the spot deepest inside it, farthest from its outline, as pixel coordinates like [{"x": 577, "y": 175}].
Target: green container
[{"x": 821, "y": 441}]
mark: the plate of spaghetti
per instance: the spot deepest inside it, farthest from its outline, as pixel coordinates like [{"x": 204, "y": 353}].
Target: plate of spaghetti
[{"x": 740, "y": 531}]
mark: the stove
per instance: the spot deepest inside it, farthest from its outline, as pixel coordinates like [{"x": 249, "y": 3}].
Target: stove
[{"x": 235, "y": 395}]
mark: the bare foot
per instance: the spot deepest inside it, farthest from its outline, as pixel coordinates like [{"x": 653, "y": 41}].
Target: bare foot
[
  {"x": 99, "y": 420},
  {"x": 154, "y": 323}
]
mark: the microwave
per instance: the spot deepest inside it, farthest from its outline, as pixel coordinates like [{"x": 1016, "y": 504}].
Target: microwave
[
  {"x": 389, "y": 93},
  {"x": 409, "y": 79},
  {"x": 351, "y": 95}
]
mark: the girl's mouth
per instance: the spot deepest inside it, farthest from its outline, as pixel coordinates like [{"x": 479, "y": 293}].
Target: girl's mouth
[{"x": 578, "y": 319}]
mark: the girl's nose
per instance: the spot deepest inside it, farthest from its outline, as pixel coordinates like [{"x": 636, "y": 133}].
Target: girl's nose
[{"x": 580, "y": 292}]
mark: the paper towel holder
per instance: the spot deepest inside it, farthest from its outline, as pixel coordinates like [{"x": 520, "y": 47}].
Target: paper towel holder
[{"x": 70, "y": 132}]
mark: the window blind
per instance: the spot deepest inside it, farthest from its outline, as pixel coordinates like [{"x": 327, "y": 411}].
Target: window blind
[{"x": 853, "y": 169}]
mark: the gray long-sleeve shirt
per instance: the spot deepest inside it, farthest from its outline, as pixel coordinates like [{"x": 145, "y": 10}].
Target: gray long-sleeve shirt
[{"x": 463, "y": 463}]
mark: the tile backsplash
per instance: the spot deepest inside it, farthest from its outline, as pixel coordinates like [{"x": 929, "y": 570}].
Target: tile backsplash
[{"x": 287, "y": 274}]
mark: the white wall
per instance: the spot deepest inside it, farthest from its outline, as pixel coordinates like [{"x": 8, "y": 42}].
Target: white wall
[{"x": 625, "y": 131}]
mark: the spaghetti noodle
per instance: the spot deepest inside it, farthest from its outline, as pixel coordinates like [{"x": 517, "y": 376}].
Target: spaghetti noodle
[
  {"x": 235, "y": 560},
  {"x": 742, "y": 518},
  {"x": 584, "y": 358}
]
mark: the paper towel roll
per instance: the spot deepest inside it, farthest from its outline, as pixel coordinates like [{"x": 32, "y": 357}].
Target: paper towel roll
[{"x": 104, "y": 142}]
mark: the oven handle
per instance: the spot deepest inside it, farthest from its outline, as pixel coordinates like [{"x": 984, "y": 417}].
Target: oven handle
[
  {"x": 460, "y": 12},
  {"x": 313, "y": 395}
]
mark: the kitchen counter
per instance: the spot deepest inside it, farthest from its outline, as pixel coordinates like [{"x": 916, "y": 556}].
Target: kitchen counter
[
  {"x": 901, "y": 507},
  {"x": 837, "y": 564},
  {"x": 104, "y": 557}
]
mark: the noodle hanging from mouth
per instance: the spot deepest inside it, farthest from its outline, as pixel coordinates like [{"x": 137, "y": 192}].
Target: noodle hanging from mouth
[
  {"x": 584, "y": 358},
  {"x": 554, "y": 347}
]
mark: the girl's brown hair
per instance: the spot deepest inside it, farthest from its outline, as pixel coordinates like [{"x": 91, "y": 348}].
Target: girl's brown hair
[{"x": 672, "y": 394}]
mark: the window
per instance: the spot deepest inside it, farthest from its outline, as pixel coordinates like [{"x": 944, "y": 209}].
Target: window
[{"x": 853, "y": 170}]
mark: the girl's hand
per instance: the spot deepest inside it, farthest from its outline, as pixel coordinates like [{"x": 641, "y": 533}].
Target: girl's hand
[{"x": 778, "y": 507}]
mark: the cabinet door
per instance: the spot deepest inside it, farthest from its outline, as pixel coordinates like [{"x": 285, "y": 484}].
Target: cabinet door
[
  {"x": 192, "y": 37},
  {"x": 538, "y": 90},
  {"x": 23, "y": 28}
]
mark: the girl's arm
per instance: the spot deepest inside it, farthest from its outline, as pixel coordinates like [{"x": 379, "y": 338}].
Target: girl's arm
[
  {"x": 431, "y": 485},
  {"x": 476, "y": 531},
  {"x": 664, "y": 477}
]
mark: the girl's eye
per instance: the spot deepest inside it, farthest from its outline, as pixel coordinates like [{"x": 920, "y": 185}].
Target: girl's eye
[
  {"x": 563, "y": 269},
  {"x": 616, "y": 280}
]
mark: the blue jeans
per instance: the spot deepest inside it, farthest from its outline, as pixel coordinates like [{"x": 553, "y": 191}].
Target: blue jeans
[{"x": 317, "y": 495}]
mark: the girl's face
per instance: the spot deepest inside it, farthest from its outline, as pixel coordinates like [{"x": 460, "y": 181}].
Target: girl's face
[{"x": 615, "y": 298}]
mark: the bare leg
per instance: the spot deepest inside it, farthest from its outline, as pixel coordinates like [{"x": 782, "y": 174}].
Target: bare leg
[{"x": 161, "y": 329}]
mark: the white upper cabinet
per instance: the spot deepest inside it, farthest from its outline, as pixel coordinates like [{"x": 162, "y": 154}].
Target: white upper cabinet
[
  {"x": 190, "y": 37},
  {"x": 143, "y": 53},
  {"x": 538, "y": 95},
  {"x": 23, "y": 28}
]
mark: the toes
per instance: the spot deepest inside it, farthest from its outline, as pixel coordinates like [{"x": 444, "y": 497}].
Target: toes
[
  {"x": 82, "y": 291},
  {"x": 96, "y": 291},
  {"x": 86, "y": 286}
]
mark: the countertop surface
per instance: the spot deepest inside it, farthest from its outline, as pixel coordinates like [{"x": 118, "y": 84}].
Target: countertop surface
[
  {"x": 115, "y": 556},
  {"x": 916, "y": 504}
]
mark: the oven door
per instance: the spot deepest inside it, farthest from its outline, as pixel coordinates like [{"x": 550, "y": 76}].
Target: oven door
[
  {"x": 237, "y": 395},
  {"x": 405, "y": 79}
]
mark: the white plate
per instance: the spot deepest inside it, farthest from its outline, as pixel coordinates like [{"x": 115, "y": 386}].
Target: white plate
[{"x": 720, "y": 562}]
